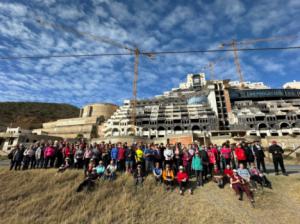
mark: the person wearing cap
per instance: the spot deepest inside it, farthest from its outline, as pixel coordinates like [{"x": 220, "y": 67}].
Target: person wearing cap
[
  {"x": 277, "y": 155},
  {"x": 168, "y": 176},
  {"x": 139, "y": 175},
  {"x": 198, "y": 167},
  {"x": 183, "y": 180},
  {"x": 259, "y": 156},
  {"x": 239, "y": 185}
]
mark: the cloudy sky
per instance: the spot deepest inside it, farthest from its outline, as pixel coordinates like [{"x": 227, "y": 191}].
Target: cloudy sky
[{"x": 152, "y": 26}]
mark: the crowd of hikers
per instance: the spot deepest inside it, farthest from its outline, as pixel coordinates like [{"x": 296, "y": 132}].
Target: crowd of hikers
[{"x": 242, "y": 165}]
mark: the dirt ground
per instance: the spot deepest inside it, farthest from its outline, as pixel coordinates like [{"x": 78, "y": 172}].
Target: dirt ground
[{"x": 40, "y": 196}]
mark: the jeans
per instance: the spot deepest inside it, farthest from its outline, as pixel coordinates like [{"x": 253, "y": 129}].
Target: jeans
[{"x": 199, "y": 177}]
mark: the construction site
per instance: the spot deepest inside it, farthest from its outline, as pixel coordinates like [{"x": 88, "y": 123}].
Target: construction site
[{"x": 199, "y": 109}]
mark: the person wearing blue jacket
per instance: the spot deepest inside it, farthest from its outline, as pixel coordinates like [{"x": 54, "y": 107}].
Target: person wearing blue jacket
[
  {"x": 197, "y": 166},
  {"x": 114, "y": 153}
]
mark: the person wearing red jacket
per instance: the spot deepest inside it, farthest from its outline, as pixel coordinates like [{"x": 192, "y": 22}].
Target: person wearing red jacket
[
  {"x": 240, "y": 155},
  {"x": 121, "y": 158},
  {"x": 183, "y": 180}
]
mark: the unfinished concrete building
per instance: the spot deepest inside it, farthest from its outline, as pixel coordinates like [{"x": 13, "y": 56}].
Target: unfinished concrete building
[
  {"x": 197, "y": 106},
  {"x": 211, "y": 108}
]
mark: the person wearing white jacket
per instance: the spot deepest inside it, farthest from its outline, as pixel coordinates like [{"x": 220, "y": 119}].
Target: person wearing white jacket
[{"x": 169, "y": 155}]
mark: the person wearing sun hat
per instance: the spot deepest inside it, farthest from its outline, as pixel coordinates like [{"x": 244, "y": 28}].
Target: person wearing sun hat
[{"x": 277, "y": 155}]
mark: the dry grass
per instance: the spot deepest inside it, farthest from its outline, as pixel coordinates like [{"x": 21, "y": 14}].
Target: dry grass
[{"x": 41, "y": 197}]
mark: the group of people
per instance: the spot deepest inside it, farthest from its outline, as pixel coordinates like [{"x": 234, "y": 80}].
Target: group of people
[{"x": 242, "y": 165}]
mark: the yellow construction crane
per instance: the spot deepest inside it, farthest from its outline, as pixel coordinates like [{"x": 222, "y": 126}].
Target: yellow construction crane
[
  {"x": 211, "y": 66},
  {"x": 234, "y": 45},
  {"x": 133, "y": 50}
]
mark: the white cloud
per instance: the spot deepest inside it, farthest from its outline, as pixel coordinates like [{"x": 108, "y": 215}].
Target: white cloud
[
  {"x": 13, "y": 9},
  {"x": 178, "y": 15},
  {"x": 68, "y": 12}
]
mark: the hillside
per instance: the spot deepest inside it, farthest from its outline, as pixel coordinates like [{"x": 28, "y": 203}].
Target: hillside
[
  {"x": 43, "y": 197},
  {"x": 31, "y": 115}
]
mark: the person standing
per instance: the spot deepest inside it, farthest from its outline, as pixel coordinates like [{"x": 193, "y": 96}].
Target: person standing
[
  {"x": 277, "y": 155},
  {"x": 148, "y": 157},
  {"x": 198, "y": 168},
  {"x": 121, "y": 158},
  {"x": 49, "y": 154},
  {"x": 259, "y": 156},
  {"x": 240, "y": 155},
  {"x": 169, "y": 155},
  {"x": 39, "y": 156},
  {"x": 16, "y": 158},
  {"x": 225, "y": 155}
]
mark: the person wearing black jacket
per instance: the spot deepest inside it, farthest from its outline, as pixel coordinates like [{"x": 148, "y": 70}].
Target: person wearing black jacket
[
  {"x": 205, "y": 162},
  {"x": 277, "y": 154},
  {"x": 16, "y": 158},
  {"x": 259, "y": 156}
]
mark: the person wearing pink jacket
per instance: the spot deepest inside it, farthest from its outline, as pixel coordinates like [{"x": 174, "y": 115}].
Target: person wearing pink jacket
[{"x": 49, "y": 155}]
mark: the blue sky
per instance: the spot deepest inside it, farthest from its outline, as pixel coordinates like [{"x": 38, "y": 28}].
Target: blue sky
[{"x": 150, "y": 25}]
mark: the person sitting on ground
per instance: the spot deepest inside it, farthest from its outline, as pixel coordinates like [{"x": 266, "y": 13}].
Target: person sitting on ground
[
  {"x": 90, "y": 167},
  {"x": 89, "y": 181},
  {"x": 64, "y": 166},
  {"x": 183, "y": 180},
  {"x": 139, "y": 175},
  {"x": 244, "y": 173},
  {"x": 100, "y": 169},
  {"x": 239, "y": 185},
  {"x": 258, "y": 177},
  {"x": 168, "y": 177},
  {"x": 157, "y": 172},
  {"x": 110, "y": 171}
]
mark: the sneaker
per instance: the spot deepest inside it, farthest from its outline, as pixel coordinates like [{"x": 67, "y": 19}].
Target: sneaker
[
  {"x": 277, "y": 174},
  {"x": 285, "y": 174},
  {"x": 181, "y": 192}
]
